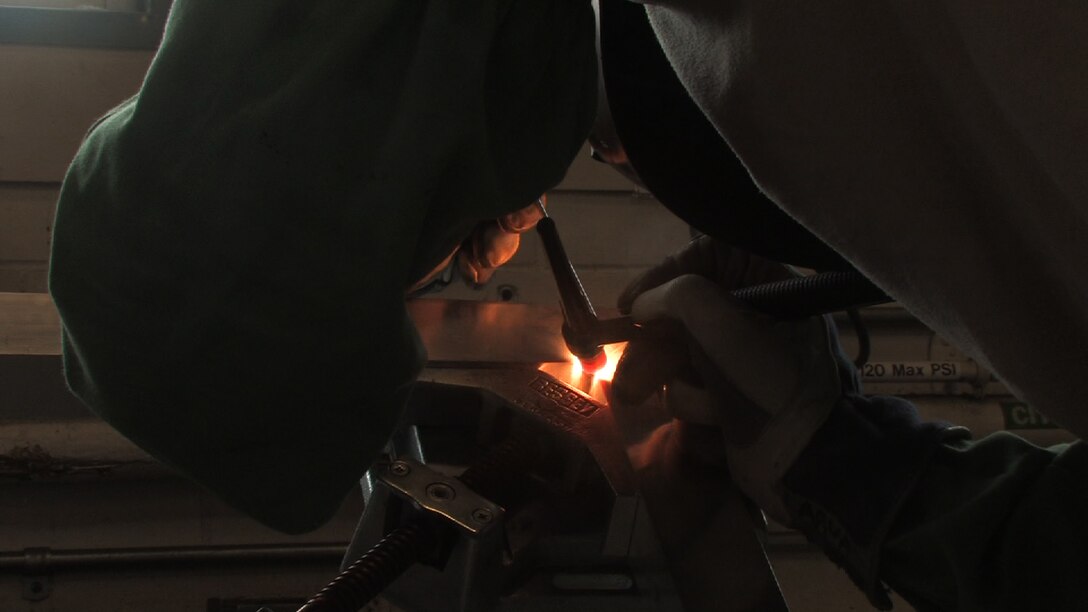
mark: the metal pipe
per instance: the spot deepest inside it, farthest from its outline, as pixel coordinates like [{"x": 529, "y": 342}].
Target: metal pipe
[{"x": 40, "y": 560}]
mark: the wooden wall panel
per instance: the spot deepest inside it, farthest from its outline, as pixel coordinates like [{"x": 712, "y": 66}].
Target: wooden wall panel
[{"x": 49, "y": 96}]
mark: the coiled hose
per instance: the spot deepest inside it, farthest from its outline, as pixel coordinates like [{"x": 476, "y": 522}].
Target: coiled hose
[{"x": 806, "y": 296}]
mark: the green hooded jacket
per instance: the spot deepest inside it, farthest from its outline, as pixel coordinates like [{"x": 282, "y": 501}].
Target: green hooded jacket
[{"x": 233, "y": 244}]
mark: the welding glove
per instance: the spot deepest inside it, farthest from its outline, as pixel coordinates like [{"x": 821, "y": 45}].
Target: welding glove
[
  {"x": 767, "y": 384},
  {"x": 494, "y": 242},
  {"x": 783, "y": 402}
]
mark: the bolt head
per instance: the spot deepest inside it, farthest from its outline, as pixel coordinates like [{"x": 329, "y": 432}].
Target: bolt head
[
  {"x": 400, "y": 468},
  {"x": 440, "y": 492},
  {"x": 482, "y": 515}
]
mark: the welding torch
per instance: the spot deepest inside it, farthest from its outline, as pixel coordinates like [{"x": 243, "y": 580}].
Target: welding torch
[{"x": 585, "y": 334}]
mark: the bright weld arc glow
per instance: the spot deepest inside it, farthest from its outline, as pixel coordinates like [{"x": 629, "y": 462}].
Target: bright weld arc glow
[
  {"x": 575, "y": 366},
  {"x": 612, "y": 353}
]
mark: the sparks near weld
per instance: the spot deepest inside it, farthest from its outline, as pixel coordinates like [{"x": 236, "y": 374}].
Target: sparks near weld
[{"x": 799, "y": 297}]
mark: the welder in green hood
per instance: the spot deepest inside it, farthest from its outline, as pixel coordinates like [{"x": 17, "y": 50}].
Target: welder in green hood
[{"x": 233, "y": 245}]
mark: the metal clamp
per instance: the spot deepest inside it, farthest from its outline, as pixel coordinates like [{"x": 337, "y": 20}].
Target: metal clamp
[{"x": 440, "y": 494}]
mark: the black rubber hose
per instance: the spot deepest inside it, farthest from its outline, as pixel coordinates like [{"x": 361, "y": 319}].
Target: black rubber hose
[
  {"x": 363, "y": 580},
  {"x": 818, "y": 294}
]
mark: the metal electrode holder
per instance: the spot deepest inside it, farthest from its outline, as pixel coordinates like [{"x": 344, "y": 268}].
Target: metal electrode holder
[{"x": 582, "y": 330}]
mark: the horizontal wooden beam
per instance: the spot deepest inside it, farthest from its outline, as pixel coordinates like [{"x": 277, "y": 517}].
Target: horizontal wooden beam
[{"x": 29, "y": 324}]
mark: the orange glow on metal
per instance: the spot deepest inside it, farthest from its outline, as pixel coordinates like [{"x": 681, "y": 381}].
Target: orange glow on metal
[
  {"x": 597, "y": 384},
  {"x": 598, "y": 361},
  {"x": 612, "y": 354},
  {"x": 575, "y": 367}
]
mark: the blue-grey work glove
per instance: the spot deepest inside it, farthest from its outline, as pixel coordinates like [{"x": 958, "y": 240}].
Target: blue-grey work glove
[
  {"x": 767, "y": 384},
  {"x": 798, "y": 437}
]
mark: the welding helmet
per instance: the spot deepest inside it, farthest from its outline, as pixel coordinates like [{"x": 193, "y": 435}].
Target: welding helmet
[{"x": 650, "y": 130}]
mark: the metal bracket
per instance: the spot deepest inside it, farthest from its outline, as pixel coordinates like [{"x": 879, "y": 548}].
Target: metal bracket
[{"x": 441, "y": 495}]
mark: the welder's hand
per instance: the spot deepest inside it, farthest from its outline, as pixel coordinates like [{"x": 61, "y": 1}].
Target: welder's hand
[
  {"x": 491, "y": 244},
  {"x": 767, "y": 384},
  {"x": 494, "y": 242}
]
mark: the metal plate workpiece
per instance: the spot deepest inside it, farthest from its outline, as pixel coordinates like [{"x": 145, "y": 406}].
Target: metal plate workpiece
[
  {"x": 560, "y": 404},
  {"x": 571, "y": 411},
  {"x": 459, "y": 331},
  {"x": 453, "y": 331}
]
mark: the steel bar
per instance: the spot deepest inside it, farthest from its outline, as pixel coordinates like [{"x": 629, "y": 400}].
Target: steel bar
[{"x": 38, "y": 560}]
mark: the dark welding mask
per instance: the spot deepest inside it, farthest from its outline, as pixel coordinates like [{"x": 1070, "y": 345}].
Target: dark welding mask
[{"x": 650, "y": 130}]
